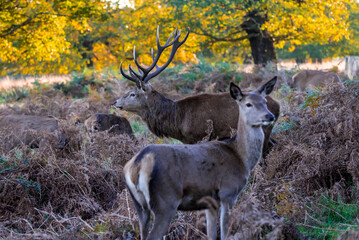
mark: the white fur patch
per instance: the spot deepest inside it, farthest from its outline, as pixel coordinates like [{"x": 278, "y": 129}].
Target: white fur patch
[
  {"x": 136, "y": 194},
  {"x": 143, "y": 183},
  {"x": 147, "y": 163},
  {"x": 138, "y": 178}
]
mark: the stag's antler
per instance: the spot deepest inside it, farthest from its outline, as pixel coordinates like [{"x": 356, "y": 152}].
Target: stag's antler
[{"x": 144, "y": 74}]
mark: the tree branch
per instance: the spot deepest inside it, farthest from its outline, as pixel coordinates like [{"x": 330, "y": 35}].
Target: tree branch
[{"x": 226, "y": 38}]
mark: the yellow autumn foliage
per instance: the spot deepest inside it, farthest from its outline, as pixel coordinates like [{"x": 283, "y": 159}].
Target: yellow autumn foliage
[{"x": 61, "y": 36}]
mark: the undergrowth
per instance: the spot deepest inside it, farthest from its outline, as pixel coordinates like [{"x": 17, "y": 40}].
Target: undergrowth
[
  {"x": 327, "y": 218},
  {"x": 16, "y": 94}
]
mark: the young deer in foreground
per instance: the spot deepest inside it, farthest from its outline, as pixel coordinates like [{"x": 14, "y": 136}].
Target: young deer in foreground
[
  {"x": 184, "y": 119},
  {"x": 163, "y": 178}
]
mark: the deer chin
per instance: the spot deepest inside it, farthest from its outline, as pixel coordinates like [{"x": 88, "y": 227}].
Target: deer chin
[
  {"x": 266, "y": 123},
  {"x": 263, "y": 123},
  {"x": 257, "y": 125},
  {"x": 118, "y": 107}
]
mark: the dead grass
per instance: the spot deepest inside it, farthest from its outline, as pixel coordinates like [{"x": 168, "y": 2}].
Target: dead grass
[{"x": 7, "y": 83}]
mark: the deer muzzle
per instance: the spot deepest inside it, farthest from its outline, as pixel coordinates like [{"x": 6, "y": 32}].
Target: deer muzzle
[{"x": 117, "y": 105}]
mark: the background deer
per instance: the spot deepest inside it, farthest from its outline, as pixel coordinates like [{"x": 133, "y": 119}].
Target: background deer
[
  {"x": 185, "y": 119},
  {"x": 21, "y": 124},
  {"x": 105, "y": 121},
  {"x": 352, "y": 67},
  {"x": 313, "y": 78},
  {"x": 163, "y": 178}
]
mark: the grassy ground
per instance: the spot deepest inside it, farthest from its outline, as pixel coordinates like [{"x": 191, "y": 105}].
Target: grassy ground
[{"x": 306, "y": 188}]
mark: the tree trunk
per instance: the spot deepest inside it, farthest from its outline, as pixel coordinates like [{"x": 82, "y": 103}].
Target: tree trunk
[
  {"x": 86, "y": 48},
  {"x": 88, "y": 53},
  {"x": 262, "y": 44},
  {"x": 263, "y": 50}
]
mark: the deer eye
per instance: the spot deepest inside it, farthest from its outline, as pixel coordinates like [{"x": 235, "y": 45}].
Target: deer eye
[
  {"x": 249, "y": 105},
  {"x": 132, "y": 95}
]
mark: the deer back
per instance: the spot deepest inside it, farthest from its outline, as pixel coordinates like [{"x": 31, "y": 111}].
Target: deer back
[
  {"x": 25, "y": 122},
  {"x": 22, "y": 125}
]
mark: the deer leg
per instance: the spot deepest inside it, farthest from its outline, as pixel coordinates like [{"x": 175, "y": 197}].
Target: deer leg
[
  {"x": 211, "y": 216},
  {"x": 144, "y": 214},
  {"x": 161, "y": 223},
  {"x": 224, "y": 219},
  {"x": 145, "y": 223}
]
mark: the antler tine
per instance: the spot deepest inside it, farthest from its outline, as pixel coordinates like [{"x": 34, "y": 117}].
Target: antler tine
[
  {"x": 137, "y": 64},
  {"x": 168, "y": 43},
  {"x": 175, "y": 45},
  {"x": 158, "y": 40},
  {"x": 176, "y": 33},
  {"x": 133, "y": 73},
  {"x": 176, "y": 36},
  {"x": 153, "y": 57},
  {"x": 126, "y": 76},
  {"x": 185, "y": 38}
]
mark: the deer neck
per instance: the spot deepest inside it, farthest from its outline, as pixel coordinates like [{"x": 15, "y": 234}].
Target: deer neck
[
  {"x": 161, "y": 116},
  {"x": 249, "y": 143}
]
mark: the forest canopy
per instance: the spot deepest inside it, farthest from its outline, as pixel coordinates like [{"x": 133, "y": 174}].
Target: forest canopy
[{"x": 57, "y": 36}]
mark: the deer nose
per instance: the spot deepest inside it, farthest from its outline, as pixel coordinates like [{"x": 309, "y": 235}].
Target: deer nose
[
  {"x": 114, "y": 103},
  {"x": 270, "y": 117}
]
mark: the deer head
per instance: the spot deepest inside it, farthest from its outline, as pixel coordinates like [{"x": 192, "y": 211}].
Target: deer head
[
  {"x": 253, "y": 105},
  {"x": 137, "y": 99}
]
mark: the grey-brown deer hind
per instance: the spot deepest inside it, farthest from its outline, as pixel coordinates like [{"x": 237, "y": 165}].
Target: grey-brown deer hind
[
  {"x": 22, "y": 125},
  {"x": 309, "y": 79},
  {"x": 165, "y": 178},
  {"x": 185, "y": 119}
]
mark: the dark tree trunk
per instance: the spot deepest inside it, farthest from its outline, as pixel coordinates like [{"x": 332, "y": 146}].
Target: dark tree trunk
[
  {"x": 86, "y": 48},
  {"x": 262, "y": 44},
  {"x": 88, "y": 53},
  {"x": 262, "y": 47}
]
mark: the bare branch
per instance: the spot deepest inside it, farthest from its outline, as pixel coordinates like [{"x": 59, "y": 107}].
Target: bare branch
[{"x": 227, "y": 38}]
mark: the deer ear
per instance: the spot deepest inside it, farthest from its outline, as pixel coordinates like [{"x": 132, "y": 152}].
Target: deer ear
[
  {"x": 236, "y": 92},
  {"x": 267, "y": 88}
]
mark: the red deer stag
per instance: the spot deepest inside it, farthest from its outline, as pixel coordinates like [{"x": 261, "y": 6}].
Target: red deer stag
[
  {"x": 185, "y": 119},
  {"x": 163, "y": 178}
]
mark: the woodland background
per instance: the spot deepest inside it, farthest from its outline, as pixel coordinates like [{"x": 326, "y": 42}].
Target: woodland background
[
  {"x": 306, "y": 188},
  {"x": 59, "y": 37}
]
